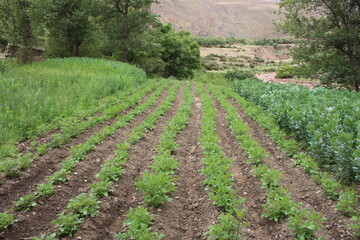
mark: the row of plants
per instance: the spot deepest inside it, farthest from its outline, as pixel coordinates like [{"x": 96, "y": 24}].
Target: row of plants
[
  {"x": 279, "y": 205},
  {"x": 346, "y": 197},
  {"x": 85, "y": 205},
  {"x": 326, "y": 121},
  {"x": 79, "y": 152},
  {"x": 72, "y": 127},
  {"x": 219, "y": 180},
  {"x": 156, "y": 183}
]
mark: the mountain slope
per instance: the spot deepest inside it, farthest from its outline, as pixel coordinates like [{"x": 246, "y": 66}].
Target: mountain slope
[{"x": 249, "y": 19}]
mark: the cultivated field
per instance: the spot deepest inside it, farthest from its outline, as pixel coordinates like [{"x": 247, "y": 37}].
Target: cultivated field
[{"x": 173, "y": 160}]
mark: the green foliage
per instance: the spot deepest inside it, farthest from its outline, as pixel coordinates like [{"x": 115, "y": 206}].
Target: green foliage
[
  {"x": 25, "y": 203},
  {"x": 285, "y": 71},
  {"x": 348, "y": 202},
  {"x": 154, "y": 187},
  {"x": 45, "y": 237},
  {"x": 101, "y": 188},
  {"x": 356, "y": 225},
  {"x": 67, "y": 223},
  {"x": 325, "y": 121},
  {"x": 229, "y": 226},
  {"x": 6, "y": 219},
  {"x": 138, "y": 226},
  {"x": 45, "y": 189},
  {"x": 305, "y": 223},
  {"x": 234, "y": 75},
  {"x": 38, "y": 94},
  {"x": 180, "y": 53},
  {"x": 330, "y": 186},
  {"x": 84, "y": 205},
  {"x": 328, "y": 43},
  {"x": 279, "y": 205}
]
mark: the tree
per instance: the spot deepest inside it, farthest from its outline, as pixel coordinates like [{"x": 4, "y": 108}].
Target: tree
[
  {"x": 17, "y": 25},
  {"x": 329, "y": 34},
  {"x": 124, "y": 22},
  {"x": 180, "y": 52},
  {"x": 68, "y": 24}
]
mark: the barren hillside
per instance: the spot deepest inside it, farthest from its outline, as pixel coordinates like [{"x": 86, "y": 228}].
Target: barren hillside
[{"x": 249, "y": 19}]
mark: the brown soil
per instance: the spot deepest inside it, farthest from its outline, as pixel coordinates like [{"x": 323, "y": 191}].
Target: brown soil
[
  {"x": 125, "y": 195},
  {"x": 191, "y": 212},
  {"x": 38, "y": 219},
  {"x": 271, "y": 77},
  {"x": 47, "y": 164},
  {"x": 248, "y": 186},
  {"x": 300, "y": 184}
]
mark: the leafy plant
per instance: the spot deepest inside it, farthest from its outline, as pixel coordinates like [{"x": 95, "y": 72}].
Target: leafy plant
[
  {"x": 348, "y": 202},
  {"x": 138, "y": 226},
  {"x": 229, "y": 226},
  {"x": 101, "y": 188},
  {"x": 6, "y": 219},
  {"x": 155, "y": 186},
  {"x": 67, "y": 223},
  {"x": 305, "y": 223},
  {"x": 45, "y": 189},
  {"x": 285, "y": 71},
  {"x": 279, "y": 205},
  {"x": 25, "y": 203},
  {"x": 84, "y": 205},
  {"x": 45, "y": 237},
  {"x": 356, "y": 225}
]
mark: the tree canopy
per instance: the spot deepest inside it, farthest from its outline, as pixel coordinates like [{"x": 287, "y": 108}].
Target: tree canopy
[{"x": 329, "y": 34}]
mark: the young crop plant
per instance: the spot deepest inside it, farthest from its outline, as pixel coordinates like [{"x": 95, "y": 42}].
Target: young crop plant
[
  {"x": 305, "y": 223},
  {"x": 219, "y": 180},
  {"x": 356, "y": 225},
  {"x": 6, "y": 220},
  {"x": 84, "y": 205},
  {"x": 68, "y": 223},
  {"x": 45, "y": 237},
  {"x": 45, "y": 189},
  {"x": 229, "y": 226},
  {"x": 101, "y": 188},
  {"x": 138, "y": 226},
  {"x": 155, "y": 187},
  {"x": 25, "y": 203},
  {"x": 348, "y": 202}
]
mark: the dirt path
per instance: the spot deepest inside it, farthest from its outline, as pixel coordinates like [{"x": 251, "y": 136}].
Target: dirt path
[
  {"x": 38, "y": 219},
  {"x": 191, "y": 212},
  {"x": 125, "y": 195},
  {"x": 300, "y": 184},
  {"x": 271, "y": 77}
]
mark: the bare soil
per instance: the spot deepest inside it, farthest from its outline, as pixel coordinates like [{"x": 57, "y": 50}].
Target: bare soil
[{"x": 271, "y": 77}]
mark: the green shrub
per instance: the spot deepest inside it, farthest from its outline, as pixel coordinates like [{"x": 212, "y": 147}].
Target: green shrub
[
  {"x": 239, "y": 75},
  {"x": 285, "y": 71}
]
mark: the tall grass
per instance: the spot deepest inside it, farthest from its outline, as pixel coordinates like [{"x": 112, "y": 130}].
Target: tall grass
[{"x": 33, "y": 95}]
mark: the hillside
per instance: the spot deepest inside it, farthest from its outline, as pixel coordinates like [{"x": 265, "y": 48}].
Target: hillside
[{"x": 250, "y": 19}]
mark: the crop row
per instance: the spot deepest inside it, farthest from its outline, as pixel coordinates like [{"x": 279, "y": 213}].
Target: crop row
[
  {"x": 78, "y": 153},
  {"x": 219, "y": 180},
  {"x": 346, "y": 197},
  {"x": 279, "y": 205},
  {"x": 86, "y": 205},
  {"x": 156, "y": 183},
  {"x": 327, "y": 121},
  {"x": 72, "y": 127}
]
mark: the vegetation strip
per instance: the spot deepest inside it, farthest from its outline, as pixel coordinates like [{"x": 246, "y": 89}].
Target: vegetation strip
[
  {"x": 156, "y": 183},
  {"x": 279, "y": 205},
  {"x": 219, "y": 180},
  {"x": 346, "y": 197},
  {"x": 88, "y": 204},
  {"x": 78, "y": 153},
  {"x": 327, "y": 122},
  {"x": 72, "y": 128}
]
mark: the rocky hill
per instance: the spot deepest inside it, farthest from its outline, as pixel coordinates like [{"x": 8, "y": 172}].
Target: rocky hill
[{"x": 250, "y": 19}]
